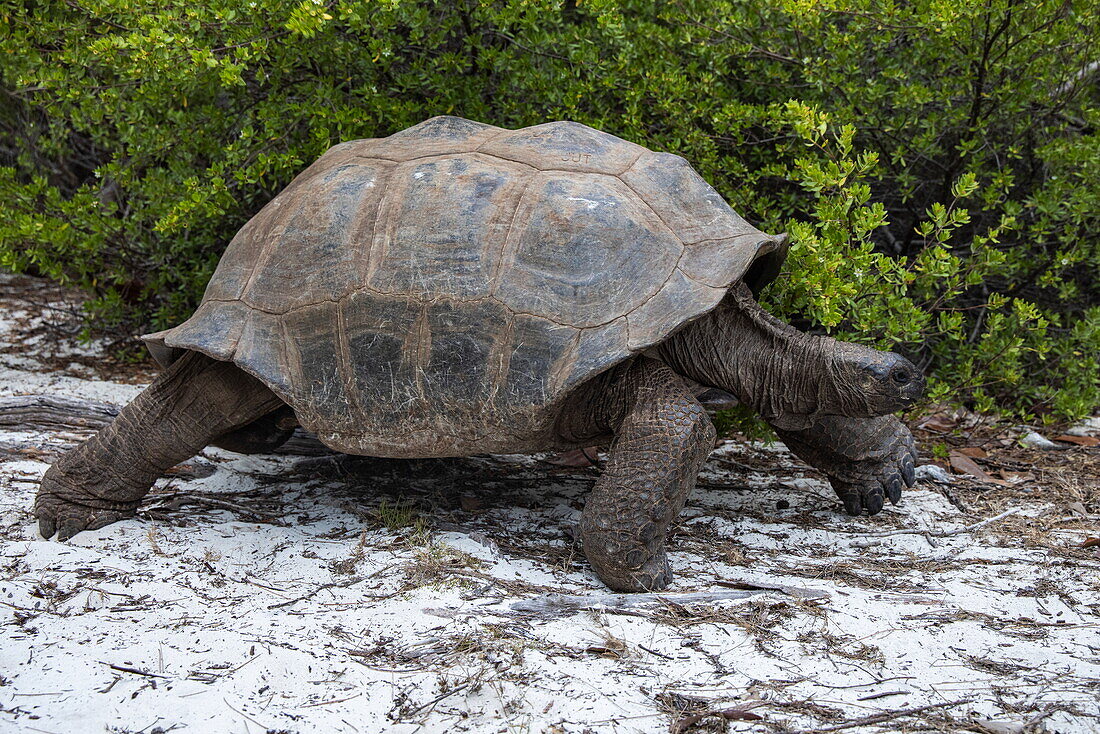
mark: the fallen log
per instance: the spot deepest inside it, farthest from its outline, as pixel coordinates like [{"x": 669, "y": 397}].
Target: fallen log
[
  {"x": 54, "y": 413},
  {"x": 57, "y": 413}
]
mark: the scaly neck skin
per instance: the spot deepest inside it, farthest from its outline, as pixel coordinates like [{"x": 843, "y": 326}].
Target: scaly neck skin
[{"x": 783, "y": 374}]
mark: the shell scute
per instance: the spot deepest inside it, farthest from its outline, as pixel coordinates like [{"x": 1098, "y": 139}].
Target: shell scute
[
  {"x": 540, "y": 350},
  {"x": 597, "y": 349},
  {"x": 718, "y": 263},
  {"x": 663, "y": 313},
  {"x": 214, "y": 329},
  {"x": 261, "y": 350},
  {"x": 314, "y": 356},
  {"x": 565, "y": 146},
  {"x": 316, "y": 239},
  {"x": 436, "y": 136},
  {"x": 684, "y": 201},
  {"x": 382, "y": 336},
  {"x": 584, "y": 251},
  {"x": 462, "y": 365},
  {"x": 443, "y": 225}
]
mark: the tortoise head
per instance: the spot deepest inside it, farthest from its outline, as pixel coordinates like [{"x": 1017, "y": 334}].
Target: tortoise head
[{"x": 870, "y": 383}]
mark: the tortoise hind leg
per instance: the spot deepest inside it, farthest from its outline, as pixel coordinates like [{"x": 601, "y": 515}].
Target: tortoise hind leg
[
  {"x": 104, "y": 479},
  {"x": 662, "y": 437},
  {"x": 867, "y": 460}
]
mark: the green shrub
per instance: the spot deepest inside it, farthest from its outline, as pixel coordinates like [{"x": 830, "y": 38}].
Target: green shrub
[{"x": 935, "y": 162}]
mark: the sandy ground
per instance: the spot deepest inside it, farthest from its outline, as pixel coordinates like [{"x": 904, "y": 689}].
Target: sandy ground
[{"x": 343, "y": 594}]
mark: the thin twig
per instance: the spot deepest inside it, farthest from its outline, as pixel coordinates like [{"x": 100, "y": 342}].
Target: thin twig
[
  {"x": 556, "y": 605},
  {"x": 884, "y": 694},
  {"x": 658, "y": 654},
  {"x": 945, "y": 533},
  {"x": 329, "y": 703},
  {"x": 135, "y": 671},
  {"x": 438, "y": 698},
  {"x": 322, "y": 587},
  {"x": 242, "y": 713},
  {"x": 176, "y": 501},
  {"x": 890, "y": 716}
]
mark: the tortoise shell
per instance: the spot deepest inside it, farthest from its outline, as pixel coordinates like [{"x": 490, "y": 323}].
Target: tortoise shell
[{"x": 441, "y": 291}]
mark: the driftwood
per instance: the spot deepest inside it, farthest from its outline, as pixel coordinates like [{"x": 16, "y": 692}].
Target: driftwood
[
  {"x": 560, "y": 605},
  {"x": 56, "y": 413}
]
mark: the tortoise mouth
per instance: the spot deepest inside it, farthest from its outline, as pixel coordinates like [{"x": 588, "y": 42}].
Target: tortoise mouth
[
  {"x": 913, "y": 392},
  {"x": 908, "y": 401},
  {"x": 908, "y": 396}
]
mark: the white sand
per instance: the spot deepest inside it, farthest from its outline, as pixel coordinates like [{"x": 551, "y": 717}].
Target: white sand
[{"x": 325, "y": 620}]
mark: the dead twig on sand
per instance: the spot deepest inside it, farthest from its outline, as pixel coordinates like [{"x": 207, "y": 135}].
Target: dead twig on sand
[
  {"x": 735, "y": 714},
  {"x": 329, "y": 703},
  {"x": 945, "y": 533},
  {"x": 559, "y": 605},
  {"x": 135, "y": 671},
  {"x": 176, "y": 501},
  {"x": 437, "y": 699},
  {"x": 242, "y": 713},
  {"x": 334, "y": 585},
  {"x": 884, "y": 694},
  {"x": 888, "y": 716}
]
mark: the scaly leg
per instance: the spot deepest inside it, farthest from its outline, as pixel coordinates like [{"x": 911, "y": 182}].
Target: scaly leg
[
  {"x": 104, "y": 479},
  {"x": 662, "y": 437},
  {"x": 864, "y": 458}
]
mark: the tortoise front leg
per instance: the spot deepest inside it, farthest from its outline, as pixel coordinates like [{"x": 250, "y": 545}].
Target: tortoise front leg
[
  {"x": 866, "y": 459},
  {"x": 662, "y": 437},
  {"x": 104, "y": 479}
]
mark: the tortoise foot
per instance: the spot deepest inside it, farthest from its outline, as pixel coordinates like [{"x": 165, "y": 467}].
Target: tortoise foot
[
  {"x": 866, "y": 484},
  {"x": 66, "y": 519},
  {"x": 867, "y": 460},
  {"x": 653, "y": 574},
  {"x": 65, "y": 512},
  {"x": 662, "y": 438}
]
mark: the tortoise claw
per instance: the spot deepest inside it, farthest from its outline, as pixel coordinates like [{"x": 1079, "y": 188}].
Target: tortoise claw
[
  {"x": 68, "y": 528},
  {"x": 876, "y": 480},
  {"x": 873, "y": 501},
  {"x": 637, "y": 572},
  {"x": 46, "y": 527},
  {"x": 853, "y": 505},
  {"x": 893, "y": 489},
  {"x": 654, "y": 575},
  {"x": 908, "y": 472},
  {"x": 868, "y": 492},
  {"x": 67, "y": 519}
]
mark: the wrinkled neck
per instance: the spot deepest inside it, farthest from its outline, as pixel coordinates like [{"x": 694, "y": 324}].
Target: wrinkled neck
[{"x": 783, "y": 374}]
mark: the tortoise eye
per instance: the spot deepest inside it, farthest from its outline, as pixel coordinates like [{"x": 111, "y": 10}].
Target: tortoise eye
[{"x": 901, "y": 377}]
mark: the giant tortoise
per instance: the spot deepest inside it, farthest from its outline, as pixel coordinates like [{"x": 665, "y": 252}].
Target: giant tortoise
[{"x": 458, "y": 288}]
